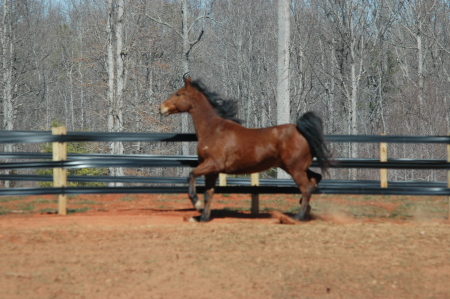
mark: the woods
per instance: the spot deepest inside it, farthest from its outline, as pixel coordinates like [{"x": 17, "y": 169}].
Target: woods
[{"x": 367, "y": 67}]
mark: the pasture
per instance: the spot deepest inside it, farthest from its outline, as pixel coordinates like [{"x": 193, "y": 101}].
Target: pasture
[{"x": 140, "y": 246}]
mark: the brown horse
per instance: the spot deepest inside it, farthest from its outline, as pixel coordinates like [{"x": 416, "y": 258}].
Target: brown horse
[{"x": 224, "y": 146}]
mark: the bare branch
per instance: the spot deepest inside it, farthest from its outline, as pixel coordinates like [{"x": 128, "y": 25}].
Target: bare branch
[
  {"x": 159, "y": 21},
  {"x": 191, "y": 45}
]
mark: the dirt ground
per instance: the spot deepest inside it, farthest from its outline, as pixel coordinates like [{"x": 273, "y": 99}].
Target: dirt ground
[{"x": 140, "y": 246}]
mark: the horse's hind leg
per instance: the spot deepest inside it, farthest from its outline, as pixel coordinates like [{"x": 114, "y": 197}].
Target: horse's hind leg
[
  {"x": 210, "y": 183},
  {"x": 313, "y": 177},
  {"x": 307, "y": 186},
  {"x": 305, "y": 209}
]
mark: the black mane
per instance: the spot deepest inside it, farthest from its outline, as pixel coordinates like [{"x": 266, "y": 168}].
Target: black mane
[{"x": 226, "y": 108}]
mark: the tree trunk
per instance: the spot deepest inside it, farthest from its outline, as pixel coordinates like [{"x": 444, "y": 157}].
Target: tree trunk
[
  {"x": 80, "y": 74},
  {"x": 118, "y": 124},
  {"x": 185, "y": 62},
  {"x": 7, "y": 69},
  {"x": 110, "y": 65},
  {"x": 115, "y": 81},
  {"x": 353, "y": 108},
  {"x": 420, "y": 71},
  {"x": 283, "y": 98}
]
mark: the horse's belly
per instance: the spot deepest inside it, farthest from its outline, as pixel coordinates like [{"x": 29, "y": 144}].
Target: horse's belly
[
  {"x": 246, "y": 167},
  {"x": 255, "y": 153}
]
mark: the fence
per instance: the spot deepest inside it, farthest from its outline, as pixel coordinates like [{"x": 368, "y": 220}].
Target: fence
[{"x": 253, "y": 186}]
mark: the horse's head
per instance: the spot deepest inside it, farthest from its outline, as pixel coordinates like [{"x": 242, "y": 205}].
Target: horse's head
[{"x": 180, "y": 101}]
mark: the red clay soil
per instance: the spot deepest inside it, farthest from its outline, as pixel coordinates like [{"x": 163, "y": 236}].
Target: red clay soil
[{"x": 140, "y": 246}]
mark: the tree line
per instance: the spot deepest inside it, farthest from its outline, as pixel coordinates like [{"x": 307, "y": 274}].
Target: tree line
[{"x": 366, "y": 66}]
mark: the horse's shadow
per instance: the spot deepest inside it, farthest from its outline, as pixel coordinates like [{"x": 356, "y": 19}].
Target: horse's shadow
[
  {"x": 225, "y": 213},
  {"x": 283, "y": 218},
  {"x": 220, "y": 214}
]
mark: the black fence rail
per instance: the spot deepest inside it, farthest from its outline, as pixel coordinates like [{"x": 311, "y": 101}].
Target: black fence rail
[
  {"x": 46, "y": 136},
  {"x": 105, "y": 160},
  {"x": 172, "y": 185}
]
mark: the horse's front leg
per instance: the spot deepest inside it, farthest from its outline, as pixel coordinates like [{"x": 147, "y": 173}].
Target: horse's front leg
[
  {"x": 207, "y": 167},
  {"x": 192, "y": 192},
  {"x": 210, "y": 183}
]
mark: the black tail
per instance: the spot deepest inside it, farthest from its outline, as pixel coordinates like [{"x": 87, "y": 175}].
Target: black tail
[{"x": 310, "y": 126}]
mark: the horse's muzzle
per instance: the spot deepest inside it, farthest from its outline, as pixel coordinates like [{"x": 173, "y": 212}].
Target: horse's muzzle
[{"x": 164, "y": 110}]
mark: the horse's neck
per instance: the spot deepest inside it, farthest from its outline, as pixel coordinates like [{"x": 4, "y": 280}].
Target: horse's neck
[{"x": 204, "y": 117}]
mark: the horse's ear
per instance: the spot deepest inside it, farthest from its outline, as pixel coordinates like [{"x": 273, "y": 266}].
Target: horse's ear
[{"x": 187, "y": 81}]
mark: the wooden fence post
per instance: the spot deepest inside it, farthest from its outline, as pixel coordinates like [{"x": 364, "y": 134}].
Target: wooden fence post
[
  {"x": 448, "y": 176},
  {"x": 60, "y": 174},
  {"x": 255, "y": 196},
  {"x": 222, "y": 179},
  {"x": 383, "y": 171}
]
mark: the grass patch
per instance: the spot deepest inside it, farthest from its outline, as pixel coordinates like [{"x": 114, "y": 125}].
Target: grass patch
[
  {"x": 78, "y": 210},
  {"x": 39, "y": 201},
  {"x": 84, "y": 202},
  {"x": 4, "y": 211},
  {"x": 293, "y": 209},
  {"x": 25, "y": 207},
  {"x": 367, "y": 211},
  {"x": 8, "y": 199},
  {"x": 403, "y": 210},
  {"x": 423, "y": 209},
  {"x": 128, "y": 198},
  {"x": 220, "y": 201},
  {"x": 48, "y": 211}
]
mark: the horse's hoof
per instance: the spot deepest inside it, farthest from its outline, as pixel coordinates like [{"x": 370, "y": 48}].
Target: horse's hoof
[
  {"x": 198, "y": 205},
  {"x": 193, "y": 199},
  {"x": 304, "y": 216},
  {"x": 204, "y": 219},
  {"x": 190, "y": 219},
  {"x": 302, "y": 219}
]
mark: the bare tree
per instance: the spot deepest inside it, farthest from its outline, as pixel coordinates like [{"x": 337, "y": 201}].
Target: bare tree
[
  {"x": 349, "y": 21},
  {"x": 188, "y": 26},
  {"x": 283, "y": 98},
  {"x": 7, "y": 40},
  {"x": 114, "y": 24},
  {"x": 366, "y": 66},
  {"x": 414, "y": 33},
  {"x": 283, "y": 95}
]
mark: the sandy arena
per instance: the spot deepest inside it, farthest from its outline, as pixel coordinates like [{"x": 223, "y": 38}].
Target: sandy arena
[{"x": 140, "y": 246}]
